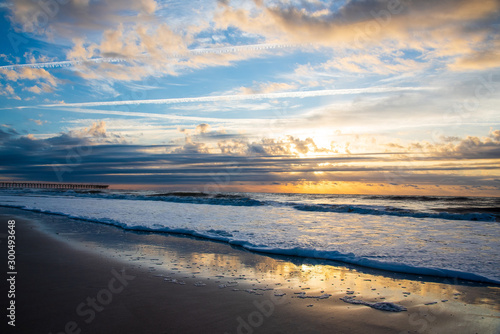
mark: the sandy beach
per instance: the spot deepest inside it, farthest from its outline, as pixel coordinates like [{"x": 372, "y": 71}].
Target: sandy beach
[{"x": 81, "y": 277}]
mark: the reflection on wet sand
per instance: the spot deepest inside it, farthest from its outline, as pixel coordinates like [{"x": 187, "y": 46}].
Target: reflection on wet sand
[{"x": 185, "y": 260}]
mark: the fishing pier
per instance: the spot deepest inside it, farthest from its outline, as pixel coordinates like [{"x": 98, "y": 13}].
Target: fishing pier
[{"x": 42, "y": 185}]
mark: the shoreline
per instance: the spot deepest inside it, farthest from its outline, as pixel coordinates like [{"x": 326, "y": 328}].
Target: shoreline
[
  {"x": 425, "y": 273},
  {"x": 177, "y": 287}
]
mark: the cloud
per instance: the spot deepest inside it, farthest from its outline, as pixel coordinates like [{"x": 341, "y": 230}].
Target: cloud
[
  {"x": 97, "y": 130},
  {"x": 38, "y": 121},
  {"x": 29, "y": 151},
  {"x": 77, "y": 17},
  {"x": 82, "y": 53},
  {"x": 372, "y": 62},
  {"x": 191, "y": 147},
  {"x": 128, "y": 30},
  {"x": 8, "y": 134},
  {"x": 89, "y": 155},
  {"x": 146, "y": 50},
  {"x": 203, "y": 128},
  {"x": 484, "y": 58},
  {"x": 495, "y": 134},
  {"x": 288, "y": 146},
  {"x": 220, "y": 142},
  {"x": 451, "y": 28},
  {"x": 43, "y": 88},
  {"x": 202, "y": 132},
  {"x": 473, "y": 148},
  {"x": 470, "y": 147},
  {"x": 267, "y": 88},
  {"x": 7, "y": 90},
  {"x": 34, "y": 89},
  {"x": 125, "y": 40},
  {"x": 22, "y": 76},
  {"x": 133, "y": 42},
  {"x": 241, "y": 97}
]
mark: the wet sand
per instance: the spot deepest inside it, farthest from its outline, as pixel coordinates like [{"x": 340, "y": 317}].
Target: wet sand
[{"x": 80, "y": 277}]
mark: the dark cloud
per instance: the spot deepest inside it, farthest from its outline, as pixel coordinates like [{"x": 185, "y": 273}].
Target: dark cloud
[
  {"x": 470, "y": 147},
  {"x": 203, "y": 128},
  {"x": 88, "y": 156},
  {"x": 66, "y": 140},
  {"x": 466, "y": 30},
  {"x": 191, "y": 148},
  {"x": 7, "y": 134},
  {"x": 77, "y": 17}
]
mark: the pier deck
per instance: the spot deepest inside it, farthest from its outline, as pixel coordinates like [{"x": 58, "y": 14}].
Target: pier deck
[{"x": 52, "y": 185}]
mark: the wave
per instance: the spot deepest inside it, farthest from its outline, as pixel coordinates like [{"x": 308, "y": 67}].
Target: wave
[
  {"x": 175, "y": 197},
  {"x": 310, "y": 253},
  {"x": 198, "y": 195},
  {"x": 206, "y": 198},
  {"x": 419, "y": 198},
  {"x": 473, "y": 214},
  {"x": 479, "y": 209},
  {"x": 492, "y": 210}
]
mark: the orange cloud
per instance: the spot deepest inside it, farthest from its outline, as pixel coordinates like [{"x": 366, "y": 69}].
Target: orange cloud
[
  {"x": 452, "y": 28},
  {"x": 46, "y": 81}
]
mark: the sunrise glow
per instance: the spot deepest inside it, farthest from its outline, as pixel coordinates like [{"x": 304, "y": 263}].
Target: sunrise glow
[{"x": 387, "y": 97}]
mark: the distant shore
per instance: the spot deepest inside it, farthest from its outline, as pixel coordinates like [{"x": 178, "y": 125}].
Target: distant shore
[{"x": 76, "y": 277}]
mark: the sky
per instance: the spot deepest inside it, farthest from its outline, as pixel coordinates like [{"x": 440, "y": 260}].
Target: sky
[{"x": 313, "y": 96}]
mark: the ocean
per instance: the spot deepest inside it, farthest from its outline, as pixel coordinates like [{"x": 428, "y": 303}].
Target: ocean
[{"x": 453, "y": 237}]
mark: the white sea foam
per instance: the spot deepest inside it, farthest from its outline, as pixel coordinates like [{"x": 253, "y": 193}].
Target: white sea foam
[{"x": 438, "y": 247}]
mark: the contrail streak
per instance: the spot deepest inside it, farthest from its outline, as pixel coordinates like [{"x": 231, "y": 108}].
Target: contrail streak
[
  {"x": 164, "y": 116},
  {"x": 65, "y": 63},
  {"x": 223, "y": 98},
  {"x": 192, "y": 52}
]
